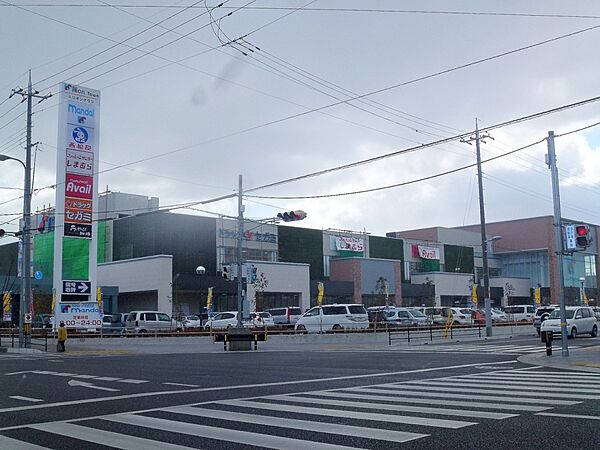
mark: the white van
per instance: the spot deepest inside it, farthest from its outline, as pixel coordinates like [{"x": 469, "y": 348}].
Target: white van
[
  {"x": 148, "y": 322},
  {"x": 333, "y": 317},
  {"x": 520, "y": 313}
]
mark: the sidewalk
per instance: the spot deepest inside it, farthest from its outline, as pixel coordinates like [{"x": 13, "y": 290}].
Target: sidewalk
[
  {"x": 585, "y": 359},
  {"x": 294, "y": 342}
]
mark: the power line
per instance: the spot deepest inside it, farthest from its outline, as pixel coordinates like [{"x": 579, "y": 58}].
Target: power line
[
  {"x": 404, "y": 183},
  {"x": 323, "y": 9}
]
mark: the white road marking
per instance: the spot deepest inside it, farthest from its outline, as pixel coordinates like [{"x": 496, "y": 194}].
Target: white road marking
[
  {"x": 539, "y": 376},
  {"x": 181, "y": 384},
  {"x": 108, "y": 438},
  {"x": 26, "y": 399},
  {"x": 392, "y": 418},
  {"x": 305, "y": 425},
  {"x": 389, "y": 407},
  {"x": 18, "y": 373},
  {"x": 107, "y": 379},
  {"x": 241, "y": 437},
  {"x": 510, "y": 386},
  {"x": 243, "y": 386},
  {"x": 569, "y": 416},
  {"x": 447, "y": 386},
  {"x": 444, "y": 393},
  {"x": 76, "y": 383},
  {"x": 127, "y": 380},
  {"x": 14, "y": 444},
  {"x": 431, "y": 401},
  {"x": 526, "y": 381}
]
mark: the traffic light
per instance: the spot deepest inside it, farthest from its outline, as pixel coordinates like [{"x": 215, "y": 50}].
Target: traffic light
[
  {"x": 582, "y": 235},
  {"x": 292, "y": 216},
  {"x": 254, "y": 274}
]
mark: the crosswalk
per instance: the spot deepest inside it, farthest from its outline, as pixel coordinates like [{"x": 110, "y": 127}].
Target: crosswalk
[
  {"x": 369, "y": 416},
  {"x": 508, "y": 349}
]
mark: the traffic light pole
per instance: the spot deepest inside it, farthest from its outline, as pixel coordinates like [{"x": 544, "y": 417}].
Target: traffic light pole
[
  {"x": 240, "y": 234},
  {"x": 558, "y": 240}
]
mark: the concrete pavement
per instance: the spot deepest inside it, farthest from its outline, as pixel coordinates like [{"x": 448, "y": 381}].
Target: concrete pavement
[{"x": 586, "y": 359}]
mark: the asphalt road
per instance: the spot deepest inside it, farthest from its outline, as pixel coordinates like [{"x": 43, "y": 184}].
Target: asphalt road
[{"x": 459, "y": 395}]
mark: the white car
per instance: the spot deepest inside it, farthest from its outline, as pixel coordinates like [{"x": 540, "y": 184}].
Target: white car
[
  {"x": 262, "y": 319},
  {"x": 520, "y": 313},
  {"x": 191, "y": 322},
  {"x": 223, "y": 320},
  {"x": 580, "y": 320},
  {"x": 461, "y": 316},
  {"x": 498, "y": 316},
  {"x": 333, "y": 318}
]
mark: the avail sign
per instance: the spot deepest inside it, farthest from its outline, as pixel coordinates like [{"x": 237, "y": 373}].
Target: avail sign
[{"x": 429, "y": 252}]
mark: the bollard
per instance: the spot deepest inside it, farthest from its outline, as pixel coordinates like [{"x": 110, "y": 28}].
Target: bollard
[{"x": 547, "y": 339}]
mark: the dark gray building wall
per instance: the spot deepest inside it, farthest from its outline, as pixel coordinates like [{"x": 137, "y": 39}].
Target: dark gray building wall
[{"x": 191, "y": 240}]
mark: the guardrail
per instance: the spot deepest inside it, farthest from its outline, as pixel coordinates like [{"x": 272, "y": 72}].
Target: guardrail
[{"x": 10, "y": 338}]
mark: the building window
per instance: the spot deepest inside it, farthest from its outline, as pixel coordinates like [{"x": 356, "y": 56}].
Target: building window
[
  {"x": 228, "y": 255},
  {"x": 589, "y": 262}
]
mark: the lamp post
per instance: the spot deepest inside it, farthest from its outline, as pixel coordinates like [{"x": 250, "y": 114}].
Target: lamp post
[
  {"x": 24, "y": 304},
  {"x": 581, "y": 291}
]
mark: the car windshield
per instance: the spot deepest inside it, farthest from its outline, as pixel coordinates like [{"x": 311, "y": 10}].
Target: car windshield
[
  {"x": 568, "y": 314},
  {"x": 417, "y": 313}
]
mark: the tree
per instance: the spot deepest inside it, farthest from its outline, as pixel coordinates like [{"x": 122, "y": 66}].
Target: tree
[
  {"x": 260, "y": 284},
  {"x": 382, "y": 290}
]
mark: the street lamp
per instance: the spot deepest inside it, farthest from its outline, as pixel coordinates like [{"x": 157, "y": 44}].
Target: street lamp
[
  {"x": 581, "y": 291},
  {"x": 26, "y": 240}
]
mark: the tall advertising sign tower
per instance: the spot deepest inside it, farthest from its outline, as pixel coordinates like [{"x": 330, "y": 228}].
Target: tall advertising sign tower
[{"x": 76, "y": 207}]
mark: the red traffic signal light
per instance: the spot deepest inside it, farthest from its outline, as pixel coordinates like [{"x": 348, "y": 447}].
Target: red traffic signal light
[
  {"x": 292, "y": 216},
  {"x": 582, "y": 235}
]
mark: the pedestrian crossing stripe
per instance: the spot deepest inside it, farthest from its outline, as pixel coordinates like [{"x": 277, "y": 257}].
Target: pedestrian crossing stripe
[
  {"x": 308, "y": 419},
  {"x": 477, "y": 348}
]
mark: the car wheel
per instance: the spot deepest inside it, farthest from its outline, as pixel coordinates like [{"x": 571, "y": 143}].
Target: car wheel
[
  {"x": 573, "y": 334},
  {"x": 142, "y": 332},
  {"x": 301, "y": 329},
  {"x": 336, "y": 327},
  {"x": 594, "y": 332}
]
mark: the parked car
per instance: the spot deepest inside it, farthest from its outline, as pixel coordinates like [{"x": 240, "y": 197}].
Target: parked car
[
  {"x": 596, "y": 310},
  {"x": 225, "y": 320},
  {"x": 288, "y": 315},
  {"x": 333, "y": 318},
  {"x": 580, "y": 320},
  {"x": 262, "y": 319},
  {"x": 478, "y": 317},
  {"x": 461, "y": 316},
  {"x": 148, "y": 321},
  {"x": 406, "y": 317},
  {"x": 191, "y": 322},
  {"x": 376, "y": 314},
  {"x": 541, "y": 314},
  {"x": 520, "y": 313},
  {"x": 437, "y": 316},
  {"x": 498, "y": 316}
]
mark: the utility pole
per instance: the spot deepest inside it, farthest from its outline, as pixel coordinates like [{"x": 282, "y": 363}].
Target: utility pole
[
  {"x": 484, "y": 251},
  {"x": 26, "y": 300},
  {"x": 558, "y": 240},
  {"x": 239, "y": 254}
]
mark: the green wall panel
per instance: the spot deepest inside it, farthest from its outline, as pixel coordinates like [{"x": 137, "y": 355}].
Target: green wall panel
[
  {"x": 75, "y": 254},
  {"x": 459, "y": 259},
  {"x": 302, "y": 245}
]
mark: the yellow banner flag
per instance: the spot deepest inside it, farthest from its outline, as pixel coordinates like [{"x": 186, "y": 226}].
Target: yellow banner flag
[
  {"x": 209, "y": 299},
  {"x": 6, "y": 302},
  {"x": 321, "y": 292},
  {"x": 586, "y": 302},
  {"x": 474, "y": 295},
  {"x": 537, "y": 296}
]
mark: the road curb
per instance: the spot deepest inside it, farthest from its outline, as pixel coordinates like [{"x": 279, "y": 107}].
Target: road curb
[
  {"x": 585, "y": 359},
  {"x": 24, "y": 350}
]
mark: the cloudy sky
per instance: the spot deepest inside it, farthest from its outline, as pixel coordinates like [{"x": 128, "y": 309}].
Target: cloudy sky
[{"x": 194, "y": 94}]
